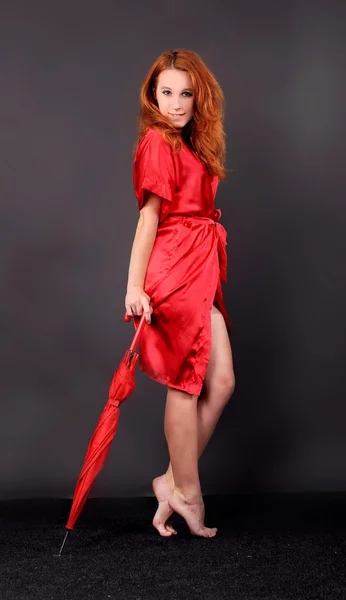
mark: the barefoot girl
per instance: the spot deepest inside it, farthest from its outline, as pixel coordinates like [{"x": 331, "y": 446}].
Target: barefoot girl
[{"x": 177, "y": 264}]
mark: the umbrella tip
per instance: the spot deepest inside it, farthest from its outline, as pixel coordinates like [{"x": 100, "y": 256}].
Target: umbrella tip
[{"x": 63, "y": 544}]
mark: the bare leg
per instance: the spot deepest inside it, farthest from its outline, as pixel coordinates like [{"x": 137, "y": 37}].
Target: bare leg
[
  {"x": 164, "y": 484},
  {"x": 181, "y": 429},
  {"x": 217, "y": 389}
]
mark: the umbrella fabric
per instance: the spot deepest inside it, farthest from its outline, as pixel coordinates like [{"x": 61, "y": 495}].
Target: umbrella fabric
[{"x": 122, "y": 385}]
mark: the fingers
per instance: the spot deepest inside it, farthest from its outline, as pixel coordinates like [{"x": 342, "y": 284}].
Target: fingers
[
  {"x": 146, "y": 308},
  {"x": 138, "y": 306},
  {"x": 128, "y": 308}
]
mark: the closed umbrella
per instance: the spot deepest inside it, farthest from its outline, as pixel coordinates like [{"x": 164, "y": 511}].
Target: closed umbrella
[{"x": 122, "y": 385}]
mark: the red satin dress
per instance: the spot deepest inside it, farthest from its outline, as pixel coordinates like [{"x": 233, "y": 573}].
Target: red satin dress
[{"x": 186, "y": 267}]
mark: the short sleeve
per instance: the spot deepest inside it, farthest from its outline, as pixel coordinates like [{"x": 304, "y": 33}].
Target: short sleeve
[{"x": 153, "y": 170}]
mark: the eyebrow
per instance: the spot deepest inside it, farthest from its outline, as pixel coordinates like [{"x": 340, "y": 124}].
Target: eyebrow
[{"x": 168, "y": 88}]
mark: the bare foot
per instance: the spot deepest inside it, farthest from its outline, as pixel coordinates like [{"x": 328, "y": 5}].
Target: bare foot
[
  {"x": 162, "y": 489},
  {"x": 192, "y": 510}
]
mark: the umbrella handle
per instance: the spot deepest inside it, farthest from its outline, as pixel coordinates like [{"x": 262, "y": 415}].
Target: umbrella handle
[{"x": 138, "y": 333}]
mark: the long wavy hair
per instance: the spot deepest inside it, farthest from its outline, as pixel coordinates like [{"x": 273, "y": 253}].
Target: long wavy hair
[{"x": 204, "y": 133}]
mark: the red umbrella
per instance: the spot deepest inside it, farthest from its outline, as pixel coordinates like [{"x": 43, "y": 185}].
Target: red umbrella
[{"x": 123, "y": 383}]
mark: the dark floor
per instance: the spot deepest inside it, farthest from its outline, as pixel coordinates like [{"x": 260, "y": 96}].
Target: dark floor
[{"x": 267, "y": 547}]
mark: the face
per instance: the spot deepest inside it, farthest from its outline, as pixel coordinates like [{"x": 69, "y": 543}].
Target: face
[{"x": 174, "y": 96}]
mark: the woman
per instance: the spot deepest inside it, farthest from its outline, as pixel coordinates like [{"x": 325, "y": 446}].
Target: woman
[{"x": 177, "y": 263}]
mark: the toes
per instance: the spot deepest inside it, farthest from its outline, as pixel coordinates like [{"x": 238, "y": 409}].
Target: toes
[
  {"x": 205, "y": 532},
  {"x": 211, "y": 532},
  {"x": 161, "y": 517},
  {"x": 162, "y": 529},
  {"x": 170, "y": 528}
]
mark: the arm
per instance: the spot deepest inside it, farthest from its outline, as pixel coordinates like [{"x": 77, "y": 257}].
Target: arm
[{"x": 136, "y": 299}]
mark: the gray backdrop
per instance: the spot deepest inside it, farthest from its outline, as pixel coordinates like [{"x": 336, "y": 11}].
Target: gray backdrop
[{"x": 70, "y": 78}]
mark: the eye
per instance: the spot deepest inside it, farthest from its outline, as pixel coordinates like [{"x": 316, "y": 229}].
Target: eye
[{"x": 186, "y": 94}]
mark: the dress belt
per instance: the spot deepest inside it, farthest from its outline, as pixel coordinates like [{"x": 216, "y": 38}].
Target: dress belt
[{"x": 220, "y": 230}]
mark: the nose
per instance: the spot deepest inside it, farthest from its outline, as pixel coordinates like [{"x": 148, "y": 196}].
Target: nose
[{"x": 176, "y": 104}]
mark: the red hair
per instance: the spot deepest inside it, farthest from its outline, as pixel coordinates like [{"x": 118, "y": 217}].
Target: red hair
[{"x": 205, "y": 130}]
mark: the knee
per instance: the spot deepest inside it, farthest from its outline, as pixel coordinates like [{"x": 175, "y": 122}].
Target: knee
[{"x": 225, "y": 385}]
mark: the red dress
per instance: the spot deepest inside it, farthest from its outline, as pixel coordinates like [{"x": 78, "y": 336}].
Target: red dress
[{"x": 186, "y": 267}]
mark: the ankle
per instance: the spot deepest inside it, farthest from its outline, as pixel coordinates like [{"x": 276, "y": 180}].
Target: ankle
[
  {"x": 190, "y": 495},
  {"x": 169, "y": 479}
]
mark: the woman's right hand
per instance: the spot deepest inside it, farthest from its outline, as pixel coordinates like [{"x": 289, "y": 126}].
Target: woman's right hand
[{"x": 137, "y": 301}]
